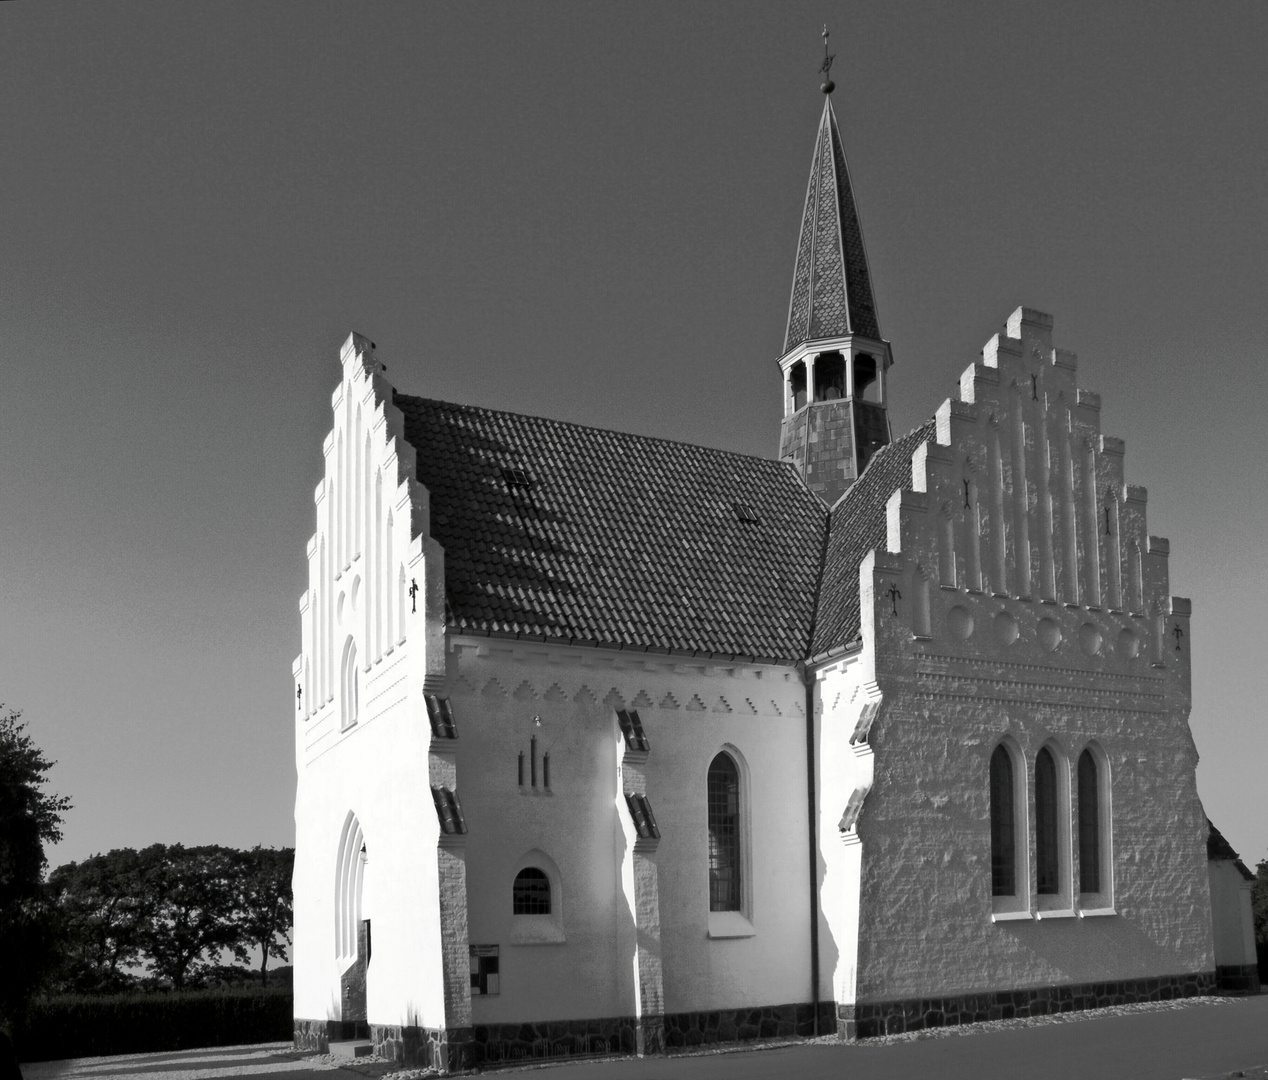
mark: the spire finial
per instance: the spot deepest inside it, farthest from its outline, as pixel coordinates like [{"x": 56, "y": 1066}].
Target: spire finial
[{"x": 827, "y": 86}]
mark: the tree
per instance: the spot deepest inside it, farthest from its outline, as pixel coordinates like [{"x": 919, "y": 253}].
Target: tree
[
  {"x": 104, "y": 904},
  {"x": 195, "y": 897},
  {"x": 1259, "y": 902},
  {"x": 266, "y": 911},
  {"x": 30, "y": 817}
]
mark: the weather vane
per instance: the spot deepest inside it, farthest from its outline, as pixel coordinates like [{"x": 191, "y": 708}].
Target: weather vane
[{"x": 825, "y": 69}]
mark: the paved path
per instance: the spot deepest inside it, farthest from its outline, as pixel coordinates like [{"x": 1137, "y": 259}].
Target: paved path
[{"x": 1197, "y": 1039}]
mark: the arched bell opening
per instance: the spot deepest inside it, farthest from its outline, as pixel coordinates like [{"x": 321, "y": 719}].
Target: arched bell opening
[
  {"x": 797, "y": 386},
  {"x": 867, "y": 383},
  {"x": 829, "y": 376}
]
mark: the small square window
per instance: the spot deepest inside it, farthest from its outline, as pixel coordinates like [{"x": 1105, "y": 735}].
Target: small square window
[
  {"x": 484, "y": 970},
  {"x": 632, "y": 729}
]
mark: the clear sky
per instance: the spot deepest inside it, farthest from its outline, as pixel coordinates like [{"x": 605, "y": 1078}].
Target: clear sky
[{"x": 584, "y": 211}]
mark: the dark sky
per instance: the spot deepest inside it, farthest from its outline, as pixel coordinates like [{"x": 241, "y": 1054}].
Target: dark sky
[{"x": 585, "y": 211}]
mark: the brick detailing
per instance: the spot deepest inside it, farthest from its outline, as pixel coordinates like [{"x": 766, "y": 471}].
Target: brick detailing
[
  {"x": 872, "y": 1018},
  {"x": 1238, "y": 978},
  {"x": 745, "y": 1025},
  {"x": 819, "y": 441}
]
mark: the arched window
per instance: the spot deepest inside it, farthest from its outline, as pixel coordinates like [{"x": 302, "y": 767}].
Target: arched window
[
  {"x": 1046, "y": 829},
  {"x": 1089, "y": 825},
  {"x": 797, "y": 385},
  {"x": 724, "y": 835},
  {"x": 531, "y": 893},
  {"x": 1003, "y": 825},
  {"x": 350, "y": 689}
]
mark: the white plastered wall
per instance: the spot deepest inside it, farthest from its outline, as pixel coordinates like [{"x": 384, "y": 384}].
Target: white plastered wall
[
  {"x": 690, "y": 709},
  {"x": 361, "y": 747},
  {"x": 1231, "y": 914}
]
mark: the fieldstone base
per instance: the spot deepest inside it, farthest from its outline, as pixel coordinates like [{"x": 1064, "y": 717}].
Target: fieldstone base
[
  {"x": 445, "y": 1050},
  {"x": 743, "y": 1025},
  {"x": 495, "y": 1044},
  {"x": 1238, "y": 978},
  {"x": 868, "y": 1019}
]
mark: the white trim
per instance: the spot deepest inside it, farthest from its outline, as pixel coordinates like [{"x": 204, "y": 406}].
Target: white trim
[
  {"x": 1061, "y": 913},
  {"x": 730, "y": 924},
  {"x": 1088, "y": 913},
  {"x": 1010, "y": 916}
]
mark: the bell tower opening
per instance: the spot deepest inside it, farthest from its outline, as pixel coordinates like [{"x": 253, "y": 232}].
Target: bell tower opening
[
  {"x": 830, "y": 376},
  {"x": 867, "y": 386},
  {"x": 797, "y": 386}
]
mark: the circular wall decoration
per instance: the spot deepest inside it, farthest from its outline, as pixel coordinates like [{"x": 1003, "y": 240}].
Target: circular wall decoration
[
  {"x": 960, "y": 622},
  {"x": 1049, "y": 634},
  {"x": 1128, "y": 643},
  {"x": 1089, "y": 639},
  {"x": 1006, "y": 629}
]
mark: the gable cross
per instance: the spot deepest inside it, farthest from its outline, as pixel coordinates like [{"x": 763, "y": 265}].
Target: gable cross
[
  {"x": 1107, "y": 528},
  {"x": 1034, "y": 387},
  {"x": 1179, "y": 634},
  {"x": 413, "y": 595},
  {"x": 299, "y": 697},
  {"x": 967, "y": 506},
  {"x": 894, "y": 596}
]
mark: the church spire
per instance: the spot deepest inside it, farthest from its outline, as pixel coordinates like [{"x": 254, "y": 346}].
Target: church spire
[
  {"x": 832, "y": 288},
  {"x": 835, "y": 362}
]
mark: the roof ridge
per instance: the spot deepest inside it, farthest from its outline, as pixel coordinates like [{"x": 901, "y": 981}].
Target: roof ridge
[{"x": 782, "y": 465}]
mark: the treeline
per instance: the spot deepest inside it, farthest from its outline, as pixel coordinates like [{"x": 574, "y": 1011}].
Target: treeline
[{"x": 166, "y": 917}]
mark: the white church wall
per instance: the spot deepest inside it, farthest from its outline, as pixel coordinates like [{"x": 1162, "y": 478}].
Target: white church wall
[
  {"x": 1047, "y": 621},
  {"x": 362, "y": 733},
  {"x": 691, "y": 710},
  {"x": 1233, "y": 922}
]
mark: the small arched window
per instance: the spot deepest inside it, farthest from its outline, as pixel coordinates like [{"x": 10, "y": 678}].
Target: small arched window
[
  {"x": 1046, "y": 830},
  {"x": 724, "y": 835},
  {"x": 531, "y": 893},
  {"x": 1089, "y": 825},
  {"x": 1003, "y": 825}
]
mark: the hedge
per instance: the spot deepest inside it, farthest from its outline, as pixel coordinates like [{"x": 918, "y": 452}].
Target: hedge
[{"x": 83, "y": 1025}]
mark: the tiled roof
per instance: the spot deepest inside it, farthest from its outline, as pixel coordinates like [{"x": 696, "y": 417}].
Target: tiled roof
[
  {"x": 858, "y": 525},
  {"x": 832, "y": 289},
  {"x": 617, "y": 539},
  {"x": 1217, "y": 848}
]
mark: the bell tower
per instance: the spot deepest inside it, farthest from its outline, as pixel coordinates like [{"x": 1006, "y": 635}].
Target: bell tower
[{"x": 835, "y": 362}]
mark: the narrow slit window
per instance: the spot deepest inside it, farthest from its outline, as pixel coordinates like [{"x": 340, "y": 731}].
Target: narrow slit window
[
  {"x": 517, "y": 478},
  {"x": 1003, "y": 835},
  {"x": 1089, "y": 825},
  {"x": 1046, "y": 846}
]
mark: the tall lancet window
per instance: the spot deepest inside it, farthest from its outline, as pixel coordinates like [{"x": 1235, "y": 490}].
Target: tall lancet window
[
  {"x": 1047, "y": 859},
  {"x": 724, "y": 835},
  {"x": 1089, "y": 825},
  {"x": 1003, "y": 825}
]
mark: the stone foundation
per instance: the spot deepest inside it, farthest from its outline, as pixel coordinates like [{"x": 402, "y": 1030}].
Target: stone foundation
[
  {"x": 1238, "y": 978},
  {"x": 744, "y": 1025},
  {"x": 869, "y": 1019}
]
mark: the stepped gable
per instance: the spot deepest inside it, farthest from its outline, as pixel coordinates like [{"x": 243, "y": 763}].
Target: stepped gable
[
  {"x": 617, "y": 540},
  {"x": 858, "y": 525}
]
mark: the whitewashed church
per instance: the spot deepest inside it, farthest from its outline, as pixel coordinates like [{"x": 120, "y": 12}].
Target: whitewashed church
[{"x": 610, "y": 744}]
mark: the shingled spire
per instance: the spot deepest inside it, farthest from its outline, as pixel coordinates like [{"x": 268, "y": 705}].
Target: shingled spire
[
  {"x": 832, "y": 289},
  {"x": 835, "y": 361}
]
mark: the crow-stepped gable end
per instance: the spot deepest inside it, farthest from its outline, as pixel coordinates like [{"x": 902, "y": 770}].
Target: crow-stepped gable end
[
  {"x": 835, "y": 362},
  {"x": 611, "y": 745}
]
